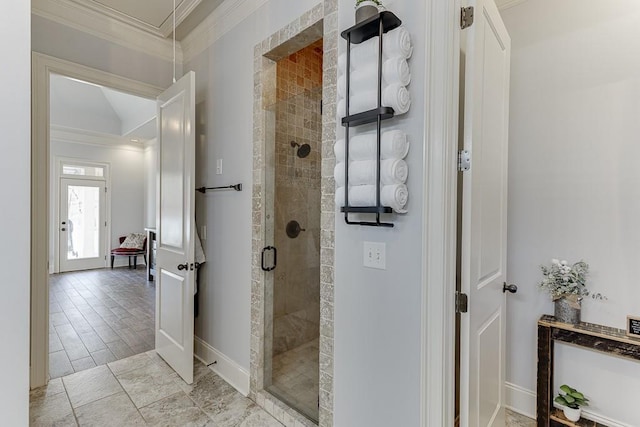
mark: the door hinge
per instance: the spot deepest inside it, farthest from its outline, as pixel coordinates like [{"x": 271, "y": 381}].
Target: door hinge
[
  {"x": 462, "y": 302},
  {"x": 105, "y": 189},
  {"x": 466, "y": 17},
  {"x": 464, "y": 160}
]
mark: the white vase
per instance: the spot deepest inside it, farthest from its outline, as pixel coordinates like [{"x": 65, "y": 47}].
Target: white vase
[
  {"x": 366, "y": 10},
  {"x": 572, "y": 414}
]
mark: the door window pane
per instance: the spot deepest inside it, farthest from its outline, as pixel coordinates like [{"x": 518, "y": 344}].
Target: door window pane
[
  {"x": 83, "y": 224},
  {"x": 80, "y": 170}
]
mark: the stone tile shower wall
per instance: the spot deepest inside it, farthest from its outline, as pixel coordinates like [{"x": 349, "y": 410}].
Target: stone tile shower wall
[{"x": 297, "y": 197}]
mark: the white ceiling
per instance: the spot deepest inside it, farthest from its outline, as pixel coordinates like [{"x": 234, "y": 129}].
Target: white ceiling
[{"x": 85, "y": 106}]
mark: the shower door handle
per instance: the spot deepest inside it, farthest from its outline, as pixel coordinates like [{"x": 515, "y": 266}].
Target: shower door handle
[{"x": 275, "y": 258}]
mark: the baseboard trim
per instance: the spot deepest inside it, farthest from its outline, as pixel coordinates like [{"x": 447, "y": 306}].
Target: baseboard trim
[
  {"x": 603, "y": 420},
  {"x": 228, "y": 370},
  {"x": 523, "y": 401},
  {"x": 520, "y": 400}
]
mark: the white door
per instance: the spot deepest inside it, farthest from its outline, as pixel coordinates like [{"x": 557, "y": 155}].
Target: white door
[
  {"x": 82, "y": 227},
  {"x": 486, "y": 48},
  {"x": 175, "y": 285}
]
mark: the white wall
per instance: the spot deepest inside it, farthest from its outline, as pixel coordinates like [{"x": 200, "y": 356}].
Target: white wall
[
  {"x": 573, "y": 182},
  {"x": 60, "y": 41},
  {"x": 15, "y": 178},
  {"x": 224, "y": 98},
  {"x": 377, "y": 312},
  {"x": 126, "y": 190},
  {"x": 151, "y": 177}
]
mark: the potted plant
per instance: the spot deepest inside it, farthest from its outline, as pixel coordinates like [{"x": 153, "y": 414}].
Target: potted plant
[
  {"x": 571, "y": 401},
  {"x": 566, "y": 285},
  {"x": 365, "y": 9}
]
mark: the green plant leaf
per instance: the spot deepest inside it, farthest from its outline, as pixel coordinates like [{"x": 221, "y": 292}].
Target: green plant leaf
[
  {"x": 577, "y": 395},
  {"x": 569, "y": 399},
  {"x": 567, "y": 389},
  {"x": 561, "y": 401}
]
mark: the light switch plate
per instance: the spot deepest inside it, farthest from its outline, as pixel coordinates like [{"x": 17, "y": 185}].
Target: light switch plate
[
  {"x": 219, "y": 167},
  {"x": 375, "y": 255}
]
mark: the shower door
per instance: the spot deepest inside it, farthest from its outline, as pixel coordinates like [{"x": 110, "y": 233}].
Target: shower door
[{"x": 292, "y": 306}]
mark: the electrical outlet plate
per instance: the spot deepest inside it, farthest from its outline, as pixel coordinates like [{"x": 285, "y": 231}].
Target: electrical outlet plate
[{"x": 375, "y": 255}]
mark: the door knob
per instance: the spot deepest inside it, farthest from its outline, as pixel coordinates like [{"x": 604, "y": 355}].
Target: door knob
[
  {"x": 184, "y": 266},
  {"x": 511, "y": 288}
]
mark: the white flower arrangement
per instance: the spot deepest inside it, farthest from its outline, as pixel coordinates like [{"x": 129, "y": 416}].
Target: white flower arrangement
[{"x": 564, "y": 280}]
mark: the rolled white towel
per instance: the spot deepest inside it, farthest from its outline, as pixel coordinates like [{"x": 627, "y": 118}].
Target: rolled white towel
[
  {"x": 392, "y": 171},
  {"x": 394, "y": 96},
  {"x": 395, "y": 196},
  {"x": 394, "y": 43},
  {"x": 393, "y": 145},
  {"x": 394, "y": 70}
]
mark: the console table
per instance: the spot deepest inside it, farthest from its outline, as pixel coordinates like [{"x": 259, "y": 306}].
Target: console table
[{"x": 588, "y": 335}]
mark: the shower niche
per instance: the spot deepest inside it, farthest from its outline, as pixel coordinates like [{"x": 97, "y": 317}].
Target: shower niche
[{"x": 292, "y": 194}]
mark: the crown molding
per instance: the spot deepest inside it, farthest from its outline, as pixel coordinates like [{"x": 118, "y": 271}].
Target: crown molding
[
  {"x": 98, "y": 139},
  {"x": 90, "y": 21},
  {"x": 506, "y": 4},
  {"x": 224, "y": 18},
  {"x": 163, "y": 31}
]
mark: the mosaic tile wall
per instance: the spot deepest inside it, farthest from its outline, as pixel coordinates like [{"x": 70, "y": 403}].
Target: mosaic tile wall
[{"x": 296, "y": 302}]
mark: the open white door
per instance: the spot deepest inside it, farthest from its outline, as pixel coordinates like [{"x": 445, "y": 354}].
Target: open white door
[
  {"x": 175, "y": 260},
  {"x": 486, "y": 48}
]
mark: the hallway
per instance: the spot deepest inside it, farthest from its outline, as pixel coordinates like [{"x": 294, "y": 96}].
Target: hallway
[
  {"x": 97, "y": 317},
  {"x": 143, "y": 390}
]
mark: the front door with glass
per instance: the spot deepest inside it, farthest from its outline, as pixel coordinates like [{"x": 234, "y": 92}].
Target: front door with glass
[{"x": 82, "y": 227}]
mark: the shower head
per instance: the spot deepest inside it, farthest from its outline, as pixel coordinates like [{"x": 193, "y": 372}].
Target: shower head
[{"x": 303, "y": 150}]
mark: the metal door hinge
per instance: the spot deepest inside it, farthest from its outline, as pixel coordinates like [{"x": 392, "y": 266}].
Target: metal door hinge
[
  {"x": 466, "y": 17},
  {"x": 462, "y": 302},
  {"x": 464, "y": 160}
]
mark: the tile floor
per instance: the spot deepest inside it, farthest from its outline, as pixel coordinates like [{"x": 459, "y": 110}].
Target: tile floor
[
  {"x": 295, "y": 378},
  {"x": 516, "y": 420},
  {"x": 97, "y": 317},
  {"x": 143, "y": 390}
]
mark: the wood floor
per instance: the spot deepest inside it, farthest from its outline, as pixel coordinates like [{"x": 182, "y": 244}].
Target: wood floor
[{"x": 97, "y": 317}]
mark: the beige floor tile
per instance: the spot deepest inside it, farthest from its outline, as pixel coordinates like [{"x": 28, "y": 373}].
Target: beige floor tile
[
  {"x": 231, "y": 412},
  {"x": 514, "y": 419},
  {"x": 130, "y": 364},
  {"x": 90, "y": 385},
  {"x": 54, "y": 386},
  {"x": 149, "y": 384},
  {"x": 175, "y": 410},
  {"x": 50, "y": 410},
  {"x": 259, "y": 418},
  {"x": 115, "y": 410}
]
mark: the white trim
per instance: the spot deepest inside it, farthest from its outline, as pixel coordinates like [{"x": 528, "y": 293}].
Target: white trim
[
  {"x": 87, "y": 137},
  {"x": 520, "y": 400},
  {"x": 224, "y": 18},
  {"x": 603, "y": 420},
  {"x": 439, "y": 206},
  {"x": 90, "y": 21},
  {"x": 164, "y": 30},
  {"x": 509, "y": 3},
  {"x": 228, "y": 370},
  {"x": 59, "y": 161},
  {"x": 41, "y": 67}
]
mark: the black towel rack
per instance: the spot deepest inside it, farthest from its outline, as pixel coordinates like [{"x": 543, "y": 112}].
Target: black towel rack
[
  {"x": 375, "y": 26},
  {"x": 237, "y": 187}
]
